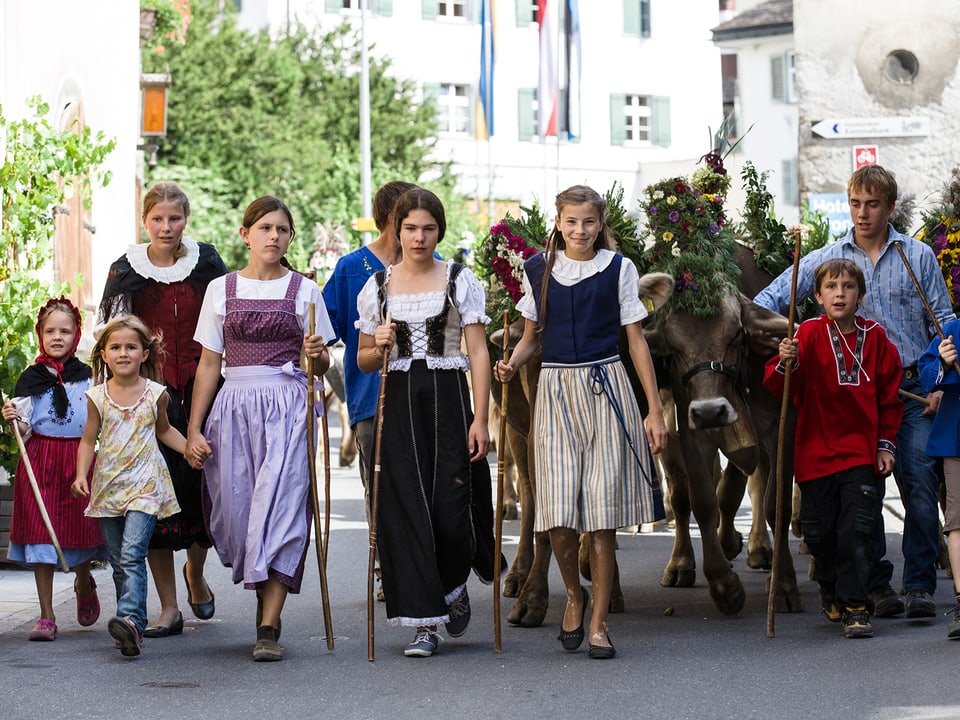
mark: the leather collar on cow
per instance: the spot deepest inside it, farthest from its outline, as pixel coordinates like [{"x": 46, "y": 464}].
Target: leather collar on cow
[{"x": 711, "y": 366}]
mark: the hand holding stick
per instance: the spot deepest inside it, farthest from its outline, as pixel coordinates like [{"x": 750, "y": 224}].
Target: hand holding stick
[
  {"x": 501, "y": 453},
  {"x": 779, "y": 534},
  {"x": 25, "y": 459},
  {"x": 320, "y": 541},
  {"x": 374, "y": 496}
]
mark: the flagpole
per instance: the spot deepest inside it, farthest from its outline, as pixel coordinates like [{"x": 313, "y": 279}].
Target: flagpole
[{"x": 366, "y": 198}]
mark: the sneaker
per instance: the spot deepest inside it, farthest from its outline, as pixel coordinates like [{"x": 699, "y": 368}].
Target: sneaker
[
  {"x": 127, "y": 636},
  {"x": 920, "y": 604},
  {"x": 44, "y": 631},
  {"x": 886, "y": 602},
  {"x": 424, "y": 644},
  {"x": 267, "y": 648},
  {"x": 856, "y": 623},
  {"x": 953, "y": 629},
  {"x": 829, "y": 607},
  {"x": 459, "y": 611}
]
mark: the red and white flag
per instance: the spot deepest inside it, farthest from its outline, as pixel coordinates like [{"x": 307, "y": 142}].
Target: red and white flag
[{"x": 558, "y": 92}]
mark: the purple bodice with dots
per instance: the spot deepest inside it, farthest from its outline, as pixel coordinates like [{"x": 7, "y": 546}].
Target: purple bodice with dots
[{"x": 262, "y": 332}]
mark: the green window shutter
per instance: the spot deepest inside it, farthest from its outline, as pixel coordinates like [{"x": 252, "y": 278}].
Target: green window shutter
[
  {"x": 631, "y": 17},
  {"x": 471, "y": 10},
  {"x": 431, "y": 9},
  {"x": 526, "y": 114},
  {"x": 778, "y": 90},
  {"x": 791, "y": 195},
  {"x": 525, "y": 14},
  {"x": 618, "y": 128},
  {"x": 645, "y": 18},
  {"x": 661, "y": 120},
  {"x": 385, "y": 8},
  {"x": 334, "y": 6}
]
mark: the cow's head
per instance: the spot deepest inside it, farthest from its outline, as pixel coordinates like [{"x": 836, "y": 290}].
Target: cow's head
[{"x": 708, "y": 355}]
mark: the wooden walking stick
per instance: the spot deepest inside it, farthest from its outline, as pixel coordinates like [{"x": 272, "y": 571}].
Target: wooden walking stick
[
  {"x": 923, "y": 298},
  {"x": 326, "y": 486},
  {"x": 779, "y": 533},
  {"x": 319, "y": 540},
  {"x": 374, "y": 496},
  {"x": 25, "y": 459},
  {"x": 498, "y": 523}
]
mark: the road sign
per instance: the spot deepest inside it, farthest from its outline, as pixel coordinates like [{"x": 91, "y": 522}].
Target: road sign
[
  {"x": 363, "y": 224},
  {"x": 865, "y": 155},
  {"x": 839, "y": 128},
  {"x": 835, "y": 208}
]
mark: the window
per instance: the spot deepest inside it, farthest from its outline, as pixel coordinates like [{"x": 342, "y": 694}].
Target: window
[
  {"x": 378, "y": 7},
  {"x": 453, "y": 108},
  {"x": 636, "y": 17},
  {"x": 526, "y": 114},
  {"x": 639, "y": 120},
  {"x": 783, "y": 77},
  {"x": 459, "y": 9}
]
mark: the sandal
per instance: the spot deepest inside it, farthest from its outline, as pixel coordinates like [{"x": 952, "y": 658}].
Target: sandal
[
  {"x": 88, "y": 606},
  {"x": 44, "y": 630}
]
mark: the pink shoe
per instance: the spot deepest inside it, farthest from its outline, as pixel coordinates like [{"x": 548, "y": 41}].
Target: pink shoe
[
  {"x": 45, "y": 630},
  {"x": 88, "y": 606}
]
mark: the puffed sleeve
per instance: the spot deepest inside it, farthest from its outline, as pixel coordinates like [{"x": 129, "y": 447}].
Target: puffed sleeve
[
  {"x": 209, "y": 331},
  {"x": 368, "y": 308},
  {"x": 471, "y": 299},
  {"x": 632, "y": 308},
  {"x": 526, "y": 305}
]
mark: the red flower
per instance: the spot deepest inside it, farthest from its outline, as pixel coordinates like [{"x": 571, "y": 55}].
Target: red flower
[{"x": 680, "y": 188}]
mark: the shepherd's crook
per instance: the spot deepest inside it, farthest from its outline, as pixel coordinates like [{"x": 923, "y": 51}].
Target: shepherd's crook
[
  {"x": 312, "y": 461},
  {"x": 501, "y": 452},
  {"x": 779, "y": 530},
  {"x": 24, "y": 458},
  {"x": 923, "y": 298},
  {"x": 374, "y": 496}
]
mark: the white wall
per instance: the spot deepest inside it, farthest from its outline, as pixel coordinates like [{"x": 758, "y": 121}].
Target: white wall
[
  {"x": 839, "y": 74},
  {"x": 68, "y": 51}
]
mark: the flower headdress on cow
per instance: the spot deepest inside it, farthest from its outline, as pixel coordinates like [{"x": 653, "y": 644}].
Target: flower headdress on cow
[
  {"x": 685, "y": 234},
  {"x": 941, "y": 231}
]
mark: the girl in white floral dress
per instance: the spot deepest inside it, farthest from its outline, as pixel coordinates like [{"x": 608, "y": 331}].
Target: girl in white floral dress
[{"x": 131, "y": 484}]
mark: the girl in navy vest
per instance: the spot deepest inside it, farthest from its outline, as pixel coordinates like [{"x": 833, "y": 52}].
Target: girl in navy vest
[{"x": 595, "y": 472}]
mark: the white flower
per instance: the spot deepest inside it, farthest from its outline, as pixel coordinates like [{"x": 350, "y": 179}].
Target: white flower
[
  {"x": 658, "y": 194},
  {"x": 675, "y": 251},
  {"x": 649, "y": 242}
]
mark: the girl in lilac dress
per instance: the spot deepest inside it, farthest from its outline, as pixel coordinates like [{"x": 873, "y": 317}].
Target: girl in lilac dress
[{"x": 256, "y": 475}]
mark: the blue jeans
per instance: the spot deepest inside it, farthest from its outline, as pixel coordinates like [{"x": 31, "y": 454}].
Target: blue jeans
[
  {"x": 919, "y": 484},
  {"x": 127, "y": 538}
]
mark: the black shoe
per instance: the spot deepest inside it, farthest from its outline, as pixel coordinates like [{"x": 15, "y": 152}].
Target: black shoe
[
  {"x": 602, "y": 652},
  {"x": 126, "y": 635},
  {"x": 573, "y": 639},
  {"x": 159, "y": 631},
  {"x": 856, "y": 623},
  {"x": 920, "y": 604},
  {"x": 203, "y": 610},
  {"x": 459, "y": 611},
  {"x": 886, "y": 602}
]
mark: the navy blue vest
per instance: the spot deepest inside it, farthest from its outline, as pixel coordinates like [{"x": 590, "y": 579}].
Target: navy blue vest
[{"x": 583, "y": 320}]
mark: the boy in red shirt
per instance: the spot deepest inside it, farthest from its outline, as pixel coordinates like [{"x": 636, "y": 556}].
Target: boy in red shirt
[{"x": 844, "y": 379}]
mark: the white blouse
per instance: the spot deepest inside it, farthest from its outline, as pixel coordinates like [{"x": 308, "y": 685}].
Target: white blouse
[
  {"x": 569, "y": 272},
  {"x": 415, "y": 308}
]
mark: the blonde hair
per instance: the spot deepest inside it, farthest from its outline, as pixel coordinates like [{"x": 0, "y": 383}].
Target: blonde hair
[{"x": 150, "y": 368}]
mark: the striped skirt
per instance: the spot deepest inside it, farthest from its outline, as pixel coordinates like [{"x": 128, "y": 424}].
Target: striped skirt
[{"x": 594, "y": 468}]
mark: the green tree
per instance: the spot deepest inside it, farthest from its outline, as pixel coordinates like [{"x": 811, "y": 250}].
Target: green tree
[
  {"x": 41, "y": 168},
  {"x": 280, "y": 115}
]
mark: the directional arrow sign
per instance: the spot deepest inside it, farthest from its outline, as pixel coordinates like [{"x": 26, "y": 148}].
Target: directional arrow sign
[{"x": 840, "y": 128}]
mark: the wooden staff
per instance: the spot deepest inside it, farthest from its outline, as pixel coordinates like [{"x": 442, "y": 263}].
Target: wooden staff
[
  {"x": 374, "y": 495},
  {"x": 781, "y": 527},
  {"x": 326, "y": 486},
  {"x": 501, "y": 453},
  {"x": 923, "y": 298},
  {"x": 912, "y": 396},
  {"x": 312, "y": 461},
  {"x": 25, "y": 459}
]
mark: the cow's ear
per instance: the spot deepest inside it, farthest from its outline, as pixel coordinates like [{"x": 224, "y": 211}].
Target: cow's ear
[
  {"x": 656, "y": 289},
  {"x": 764, "y": 328}
]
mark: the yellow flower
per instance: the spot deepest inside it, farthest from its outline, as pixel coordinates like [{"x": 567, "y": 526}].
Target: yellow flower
[
  {"x": 667, "y": 236},
  {"x": 672, "y": 200}
]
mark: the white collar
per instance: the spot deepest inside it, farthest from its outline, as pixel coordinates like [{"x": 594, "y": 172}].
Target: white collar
[
  {"x": 576, "y": 270},
  {"x": 180, "y": 270}
]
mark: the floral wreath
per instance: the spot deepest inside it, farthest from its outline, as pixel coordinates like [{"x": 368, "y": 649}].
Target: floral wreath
[
  {"x": 940, "y": 229},
  {"x": 686, "y": 235}
]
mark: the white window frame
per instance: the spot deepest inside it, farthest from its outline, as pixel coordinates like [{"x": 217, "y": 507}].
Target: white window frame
[
  {"x": 453, "y": 106},
  {"x": 638, "y": 118},
  {"x": 447, "y": 9}
]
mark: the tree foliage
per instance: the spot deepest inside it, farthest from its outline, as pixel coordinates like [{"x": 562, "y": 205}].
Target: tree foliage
[
  {"x": 280, "y": 115},
  {"x": 41, "y": 168}
]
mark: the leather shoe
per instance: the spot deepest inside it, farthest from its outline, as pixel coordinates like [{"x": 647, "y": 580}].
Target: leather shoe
[
  {"x": 203, "y": 610},
  {"x": 602, "y": 652},
  {"x": 572, "y": 639},
  {"x": 159, "y": 631}
]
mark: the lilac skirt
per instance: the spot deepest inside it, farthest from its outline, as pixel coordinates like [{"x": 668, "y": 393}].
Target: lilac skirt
[{"x": 257, "y": 482}]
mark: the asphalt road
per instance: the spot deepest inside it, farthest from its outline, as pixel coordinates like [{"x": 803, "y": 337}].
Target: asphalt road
[{"x": 694, "y": 663}]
